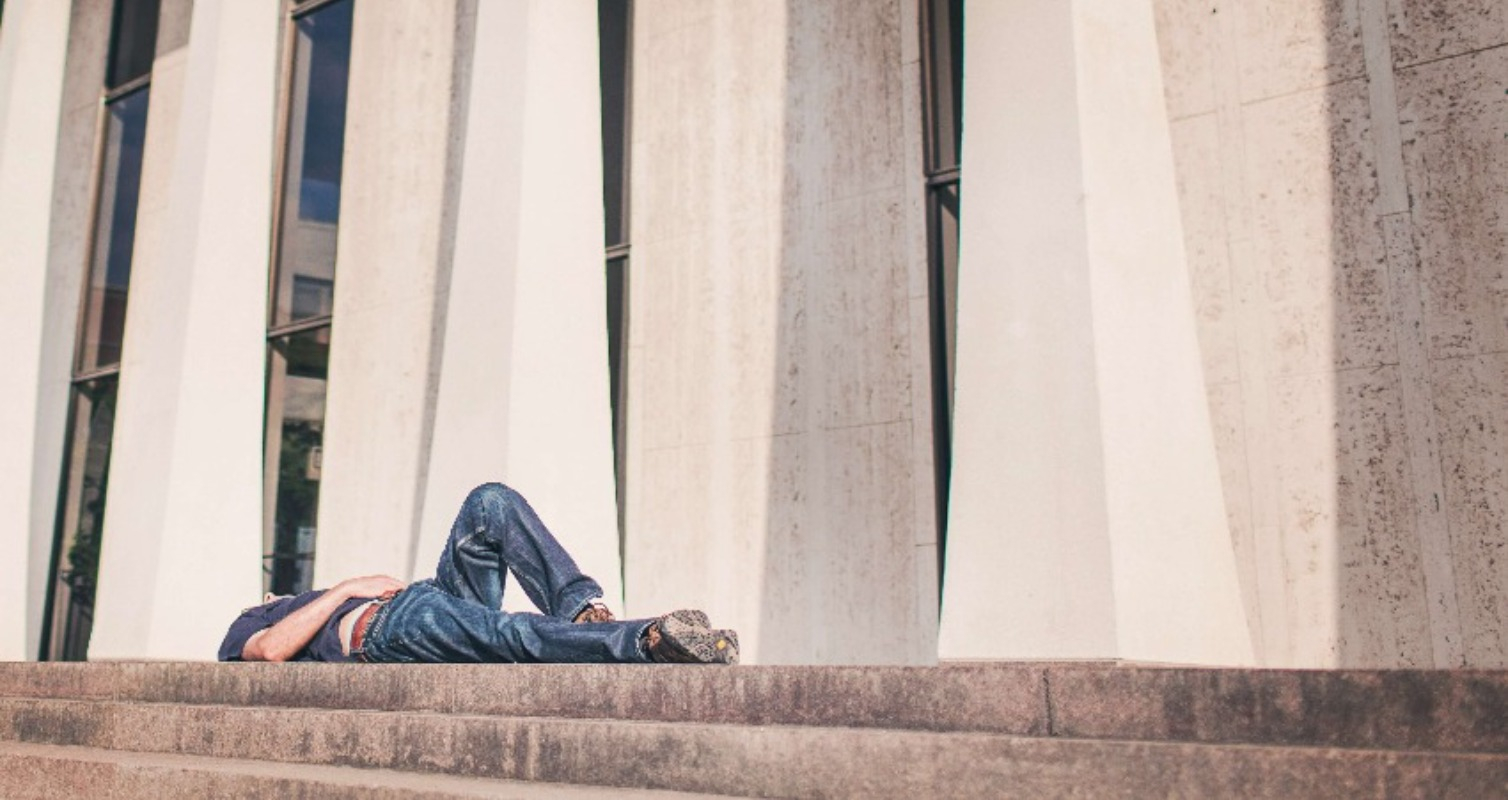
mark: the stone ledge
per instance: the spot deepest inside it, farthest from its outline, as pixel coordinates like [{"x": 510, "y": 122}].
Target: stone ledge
[
  {"x": 1462, "y": 711},
  {"x": 770, "y": 760}
]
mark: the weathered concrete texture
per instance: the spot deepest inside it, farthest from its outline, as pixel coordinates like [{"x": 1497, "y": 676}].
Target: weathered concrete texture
[
  {"x": 1452, "y": 117},
  {"x": 755, "y": 761},
  {"x": 1343, "y": 222},
  {"x": 1424, "y": 30},
  {"x": 1406, "y": 710},
  {"x": 1460, "y": 711},
  {"x": 49, "y": 771},
  {"x": 397, "y": 218},
  {"x": 523, "y": 390},
  {"x": 1287, "y": 46},
  {"x": 773, "y": 434}
]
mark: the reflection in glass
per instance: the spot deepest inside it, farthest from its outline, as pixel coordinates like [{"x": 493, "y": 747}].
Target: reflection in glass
[
  {"x": 314, "y": 159},
  {"x": 295, "y": 434},
  {"x": 133, "y": 43},
  {"x": 945, "y": 82},
  {"x": 76, "y": 561},
  {"x": 945, "y": 263},
  {"x": 613, "y": 23},
  {"x": 114, "y": 232}
]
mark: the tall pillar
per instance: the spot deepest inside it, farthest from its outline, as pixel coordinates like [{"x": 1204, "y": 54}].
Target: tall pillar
[
  {"x": 523, "y": 394},
  {"x": 393, "y": 257},
  {"x": 183, "y": 533},
  {"x": 1086, "y": 518},
  {"x": 33, "y": 304}
]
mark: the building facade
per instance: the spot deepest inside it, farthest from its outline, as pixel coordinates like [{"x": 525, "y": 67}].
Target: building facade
[{"x": 891, "y": 331}]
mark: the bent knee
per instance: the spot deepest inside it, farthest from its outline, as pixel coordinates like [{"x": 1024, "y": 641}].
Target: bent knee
[{"x": 493, "y": 494}]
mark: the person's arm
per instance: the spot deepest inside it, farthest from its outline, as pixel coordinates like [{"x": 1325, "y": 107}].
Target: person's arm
[{"x": 283, "y": 640}]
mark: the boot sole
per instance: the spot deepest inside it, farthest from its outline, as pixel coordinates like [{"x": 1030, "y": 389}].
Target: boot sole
[{"x": 685, "y": 633}]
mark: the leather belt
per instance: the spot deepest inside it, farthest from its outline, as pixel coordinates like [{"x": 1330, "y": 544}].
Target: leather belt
[{"x": 359, "y": 631}]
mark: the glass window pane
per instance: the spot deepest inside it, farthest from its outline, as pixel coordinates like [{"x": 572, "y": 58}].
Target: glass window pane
[
  {"x": 613, "y": 23},
  {"x": 76, "y": 565},
  {"x": 114, "y": 231},
  {"x": 945, "y": 82},
  {"x": 313, "y": 163},
  {"x": 295, "y": 436},
  {"x": 134, "y": 41}
]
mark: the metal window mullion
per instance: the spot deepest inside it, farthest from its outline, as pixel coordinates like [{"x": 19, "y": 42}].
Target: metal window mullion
[
  {"x": 301, "y": 326},
  {"x": 130, "y": 87},
  {"x": 304, "y": 9}
]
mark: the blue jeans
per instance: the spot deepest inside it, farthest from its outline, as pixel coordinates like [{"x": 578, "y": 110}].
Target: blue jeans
[{"x": 455, "y": 617}]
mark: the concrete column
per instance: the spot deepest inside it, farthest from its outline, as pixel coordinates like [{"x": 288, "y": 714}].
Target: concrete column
[
  {"x": 523, "y": 394},
  {"x": 393, "y": 255},
  {"x": 182, "y": 539},
  {"x": 1087, "y": 519},
  {"x": 33, "y": 386}
]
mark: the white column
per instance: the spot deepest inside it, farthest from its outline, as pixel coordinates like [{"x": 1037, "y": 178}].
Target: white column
[
  {"x": 392, "y": 256},
  {"x": 1087, "y": 519},
  {"x": 34, "y": 383},
  {"x": 523, "y": 395},
  {"x": 183, "y": 533}
]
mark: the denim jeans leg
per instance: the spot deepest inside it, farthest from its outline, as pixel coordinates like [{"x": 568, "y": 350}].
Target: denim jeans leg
[
  {"x": 426, "y": 624},
  {"x": 497, "y": 532}
]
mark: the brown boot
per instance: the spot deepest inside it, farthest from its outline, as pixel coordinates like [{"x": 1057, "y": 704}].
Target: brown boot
[{"x": 684, "y": 637}]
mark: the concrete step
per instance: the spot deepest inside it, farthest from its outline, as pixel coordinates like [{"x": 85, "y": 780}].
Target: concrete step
[
  {"x": 46, "y": 772},
  {"x": 1458, "y": 711},
  {"x": 748, "y": 760}
]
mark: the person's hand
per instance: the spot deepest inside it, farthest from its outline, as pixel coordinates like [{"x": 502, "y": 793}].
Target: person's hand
[{"x": 383, "y": 586}]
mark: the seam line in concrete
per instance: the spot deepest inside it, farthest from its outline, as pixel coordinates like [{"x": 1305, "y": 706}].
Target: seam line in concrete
[{"x": 1438, "y": 59}]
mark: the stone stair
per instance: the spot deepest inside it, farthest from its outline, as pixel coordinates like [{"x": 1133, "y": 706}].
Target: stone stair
[{"x": 987, "y": 730}]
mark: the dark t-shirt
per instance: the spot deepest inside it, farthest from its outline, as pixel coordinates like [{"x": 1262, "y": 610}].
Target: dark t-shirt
[{"x": 325, "y": 646}]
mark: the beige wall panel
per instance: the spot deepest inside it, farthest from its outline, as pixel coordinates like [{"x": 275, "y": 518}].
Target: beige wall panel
[
  {"x": 1424, "y": 30},
  {"x": 772, "y": 326},
  {"x": 33, "y": 47},
  {"x": 1285, "y": 46},
  {"x": 1452, "y": 115},
  {"x": 393, "y": 258},
  {"x": 1472, "y": 402},
  {"x": 1384, "y": 617},
  {"x": 523, "y": 394},
  {"x": 1342, "y": 297},
  {"x": 1305, "y": 464},
  {"x": 1206, "y": 239},
  {"x": 1071, "y": 397},
  {"x": 1188, "y": 37},
  {"x": 1313, "y": 186},
  {"x": 1043, "y": 579},
  {"x": 182, "y": 520}
]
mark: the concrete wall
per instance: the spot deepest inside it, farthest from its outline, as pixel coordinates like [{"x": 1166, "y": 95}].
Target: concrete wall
[
  {"x": 1342, "y": 172},
  {"x": 393, "y": 262},
  {"x": 1086, "y": 518},
  {"x": 36, "y": 306},
  {"x": 523, "y": 389},
  {"x": 777, "y": 431},
  {"x": 182, "y": 527}
]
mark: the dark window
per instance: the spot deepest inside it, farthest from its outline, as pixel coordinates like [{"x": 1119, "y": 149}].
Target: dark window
[
  {"x": 295, "y": 425},
  {"x": 303, "y": 290},
  {"x": 314, "y": 158},
  {"x": 615, "y": 57},
  {"x": 942, "y": 103},
  {"x": 104, "y": 314},
  {"x": 133, "y": 41},
  {"x": 80, "y": 525}
]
